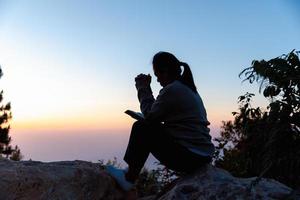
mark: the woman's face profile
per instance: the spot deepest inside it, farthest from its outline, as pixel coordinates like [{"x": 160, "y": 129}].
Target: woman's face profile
[{"x": 162, "y": 77}]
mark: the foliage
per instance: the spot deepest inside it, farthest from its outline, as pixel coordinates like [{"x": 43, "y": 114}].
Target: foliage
[
  {"x": 16, "y": 154},
  {"x": 150, "y": 182},
  {"x": 6, "y": 149},
  {"x": 114, "y": 162},
  {"x": 266, "y": 142}
]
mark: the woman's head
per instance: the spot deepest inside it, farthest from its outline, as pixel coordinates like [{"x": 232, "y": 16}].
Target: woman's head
[{"x": 167, "y": 68}]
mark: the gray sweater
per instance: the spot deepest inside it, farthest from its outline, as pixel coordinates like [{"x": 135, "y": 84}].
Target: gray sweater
[{"x": 183, "y": 114}]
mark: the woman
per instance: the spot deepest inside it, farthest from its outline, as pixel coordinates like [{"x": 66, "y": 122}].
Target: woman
[{"x": 175, "y": 127}]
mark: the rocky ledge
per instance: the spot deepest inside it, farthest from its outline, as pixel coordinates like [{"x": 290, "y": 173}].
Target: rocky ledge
[
  {"x": 217, "y": 184},
  {"x": 65, "y": 180},
  {"x": 81, "y": 180}
]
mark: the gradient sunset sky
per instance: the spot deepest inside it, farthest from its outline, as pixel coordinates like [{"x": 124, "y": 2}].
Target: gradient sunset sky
[{"x": 69, "y": 66}]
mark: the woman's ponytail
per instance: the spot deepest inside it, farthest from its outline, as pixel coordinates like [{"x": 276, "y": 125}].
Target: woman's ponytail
[{"x": 187, "y": 77}]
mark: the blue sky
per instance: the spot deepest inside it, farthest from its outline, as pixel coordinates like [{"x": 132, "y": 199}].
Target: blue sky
[{"x": 67, "y": 62}]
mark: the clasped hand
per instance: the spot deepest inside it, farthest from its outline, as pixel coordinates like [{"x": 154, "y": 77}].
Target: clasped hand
[{"x": 142, "y": 81}]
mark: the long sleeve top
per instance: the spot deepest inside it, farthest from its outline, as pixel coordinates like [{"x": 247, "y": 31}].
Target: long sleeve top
[{"x": 183, "y": 114}]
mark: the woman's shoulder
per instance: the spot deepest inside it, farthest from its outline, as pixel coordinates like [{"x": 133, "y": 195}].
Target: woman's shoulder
[
  {"x": 175, "y": 85},
  {"x": 179, "y": 87},
  {"x": 176, "y": 88},
  {"x": 171, "y": 87}
]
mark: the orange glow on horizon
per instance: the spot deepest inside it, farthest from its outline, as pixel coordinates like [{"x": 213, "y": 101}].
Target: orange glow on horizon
[
  {"x": 73, "y": 123},
  {"x": 113, "y": 122}
]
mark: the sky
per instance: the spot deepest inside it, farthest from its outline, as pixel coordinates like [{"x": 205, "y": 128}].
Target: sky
[{"x": 69, "y": 66}]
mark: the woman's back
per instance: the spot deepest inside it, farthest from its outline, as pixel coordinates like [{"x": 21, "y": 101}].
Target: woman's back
[
  {"x": 185, "y": 117},
  {"x": 185, "y": 105}
]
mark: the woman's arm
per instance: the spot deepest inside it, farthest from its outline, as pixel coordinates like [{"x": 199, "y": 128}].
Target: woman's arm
[
  {"x": 153, "y": 110},
  {"x": 146, "y": 99},
  {"x": 160, "y": 107},
  {"x": 145, "y": 96}
]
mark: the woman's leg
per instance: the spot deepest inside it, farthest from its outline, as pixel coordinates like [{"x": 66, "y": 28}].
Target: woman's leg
[
  {"x": 176, "y": 157},
  {"x": 138, "y": 148},
  {"x": 148, "y": 138}
]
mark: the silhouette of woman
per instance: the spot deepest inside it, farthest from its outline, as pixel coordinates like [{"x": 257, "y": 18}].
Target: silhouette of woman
[{"x": 175, "y": 127}]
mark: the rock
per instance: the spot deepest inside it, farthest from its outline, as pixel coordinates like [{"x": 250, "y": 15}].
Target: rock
[
  {"x": 74, "y": 180},
  {"x": 214, "y": 183},
  {"x": 81, "y": 180}
]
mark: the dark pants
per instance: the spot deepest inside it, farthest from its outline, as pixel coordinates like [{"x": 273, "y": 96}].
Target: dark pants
[{"x": 148, "y": 138}]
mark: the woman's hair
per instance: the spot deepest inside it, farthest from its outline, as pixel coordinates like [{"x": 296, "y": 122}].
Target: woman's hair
[{"x": 167, "y": 62}]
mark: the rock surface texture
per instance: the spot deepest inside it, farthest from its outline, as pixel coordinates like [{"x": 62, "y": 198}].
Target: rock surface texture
[
  {"x": 80, "y": 180},
  {"x": 214, "y": 183},
  {"x": 65, "y": 180}
]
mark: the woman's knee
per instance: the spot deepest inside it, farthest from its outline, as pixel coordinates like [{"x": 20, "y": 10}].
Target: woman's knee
[
  {"x": 140, "y": 125},
  {"x": 144, "y": 129},
  {"x": 138, "y": 128}
]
